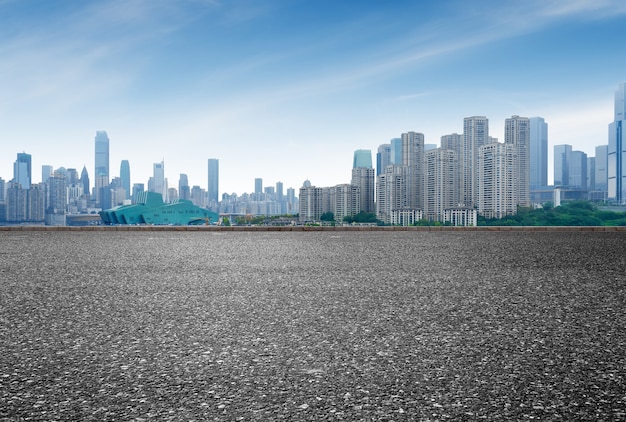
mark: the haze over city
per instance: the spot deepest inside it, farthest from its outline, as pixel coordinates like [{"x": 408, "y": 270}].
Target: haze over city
[{"x": 286, "y": 91}]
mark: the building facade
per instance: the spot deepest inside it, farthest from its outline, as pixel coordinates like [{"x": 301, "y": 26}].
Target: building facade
[{"x": 616, "y": 177}]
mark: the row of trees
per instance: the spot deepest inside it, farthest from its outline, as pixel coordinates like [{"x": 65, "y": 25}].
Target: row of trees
[{"x": 572, "y": 213}]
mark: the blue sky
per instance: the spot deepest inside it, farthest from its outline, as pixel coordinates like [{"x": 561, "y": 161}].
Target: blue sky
[{"x": 287, "y": 90}]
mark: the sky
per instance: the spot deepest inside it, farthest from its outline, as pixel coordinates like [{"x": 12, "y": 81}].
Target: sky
[{"x": 287, "y": 90}]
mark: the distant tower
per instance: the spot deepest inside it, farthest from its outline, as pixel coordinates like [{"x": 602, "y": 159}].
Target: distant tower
[
  {"x": 538, "y": 152},
  {"x": 395, "y": 156},
  {"x": 101, "y": 160},
  {"x": 496, "y": 182},
  {"x": 22, "y": 170},
  {"x": 602, "y": 152},
  {"x": 516, "y": 133},
  {"x": 364, "y": 179},
  {"x": 617, "y": 149},
  {"x": 213, "y": 187},
  {"x": 183, "y": 187},
  {"x": 562, "y": 158},
  {"x": 46, "y": 172},
  {"x": 84, "y": 179},
  {"x": 158, "y": 179},
  {"x": 258, "y": 185},
  {"x": 125, "y": 177},
  {"x": 383, "y": 158}
]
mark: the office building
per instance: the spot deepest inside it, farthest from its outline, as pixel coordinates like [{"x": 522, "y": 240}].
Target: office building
[
  {"x": 391, "y": 193},
  {"x": 159, "y": 184},
  {"x": 383, "y": 158},
  {"x": 562, "y": 158},
  {"x": 101, "y": 160},
  {"x": 395, "y": 152},
  {"x": 46, "y": 172},
  {"x": 213, "y": 186},
  {"x": 538, "y": 142},
  {"x": 616, "y": 177},
  {"x": 125, "y": 178},
  {"x": 601, "y": 164},
  {"x": 22, "y": 170},
  {"x": 183, "y": 187},
  {"x": 578, "y": 170}
]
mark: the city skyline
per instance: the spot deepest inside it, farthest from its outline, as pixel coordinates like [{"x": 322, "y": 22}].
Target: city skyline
[{"x": 280, "y": 90}]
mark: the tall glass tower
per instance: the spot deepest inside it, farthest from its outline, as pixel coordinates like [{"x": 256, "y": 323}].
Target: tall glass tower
[
  {"x": 101, "y": 161},
  {"x": 125, "y": 178},
  {"x": 617, "y": 149},
  {"x": 213, "y": 180},
  {"x": 22, "y": 170},
  {"x": 538, "y": 152},
  {"x": 363, "y": 176}
]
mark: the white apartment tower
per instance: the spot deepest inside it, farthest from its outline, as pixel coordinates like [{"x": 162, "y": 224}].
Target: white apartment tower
[
  {"x": 475, "y": 135},
  {"x": 497, "y": 187},
  {"x": 413, "y": 160},
  {"x": 517, "y": 133},
  {"x": 440, "y": 183}
]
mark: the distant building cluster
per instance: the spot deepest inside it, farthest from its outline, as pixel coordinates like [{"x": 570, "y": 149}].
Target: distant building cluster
[{"x": 467, "y": 175}]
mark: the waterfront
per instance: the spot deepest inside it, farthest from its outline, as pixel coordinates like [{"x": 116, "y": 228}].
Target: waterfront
[{"x": 403, "y": 325}]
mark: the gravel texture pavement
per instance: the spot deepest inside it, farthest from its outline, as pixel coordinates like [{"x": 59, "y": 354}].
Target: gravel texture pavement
[{"x": 110, "y": 326}]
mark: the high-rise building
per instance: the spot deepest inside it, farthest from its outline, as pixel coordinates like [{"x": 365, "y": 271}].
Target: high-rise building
[
  {"x": 517, "y": 133},
  {"x": 22, "y": 170},
  {"x": 497, "y": 187},
  {"x": 158, "y": 180},
  {"x": 311, "y": 202},
  {"x": 391, "y": 193},
  {"x": 362, "y": 158},
  {"x": 395, "y": 152},
  {"x": 475, "y": 135},
  {"x": 138, "y": 188},
  {"x": 345, "y": 200},
  {"x": 562, "y": 158},
  {"x": 183, "y": 187},
  {"x": 383, "y": 158},
  {"x": 213, "y": 188},
  {"x": 538, "y": 153},
  {"x": 602, "y": 152},
  {"x": 57, "y": 205},
  {"x": 46, "y": 172},
  {"x": 617, "y": 149},
  {"x": 84, "y": 179},
  {"x": 413, "y": 160},
  {"x": 441, "y": 182},
  {"x": 125, "y": 178},
  {"x": 101, "y": 159},
  {"x": 258, "y": 186},
  {"x": 578, "y": 170},
  {"x": 591, "y": 173},
  {"x": 363, "y": 178}
]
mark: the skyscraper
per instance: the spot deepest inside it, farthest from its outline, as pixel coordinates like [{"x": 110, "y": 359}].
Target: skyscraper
[
  {"x": 158, "y": 179},
  {"x": 617, "y": 149},
  {"x": 125, "y": 178},
  {"x": 383, "y": 158},
  {"x": 22, "y": 170},
  {"x": 475, "y": 135},
  {"x": 213, "y": 187},
  {"x": 578, "y": 170},
  {"x": 101, "y": 160},
  {"x": 413, "y": 160},
  {"x": 362, "y": 158},
  {"x": 441, "y": 182},
  {"x": 46, "y": 172},
  {"x": 258, "y": 186},
  {"x": 538, "y": 152},
  {"x": 395, "y": 156},
  {"x": 516, "y": 133},
  {"x": 601, "y": 168},
  {"x": 183, "y": 187},
  {"x": 562, "y": 158},
  {"x": 363, "y": 178},
  {"x": 497, "y": 187},
  {"x": 84, "y": 179}
]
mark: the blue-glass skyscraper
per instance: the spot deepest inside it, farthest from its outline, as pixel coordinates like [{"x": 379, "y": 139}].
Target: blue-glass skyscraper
[
  {"x": 125, "y": 177},
  {"x": 22, "y": 170},
  {"x": 101, "y": 161},
  {"x": 538, "y": 153},
  {"x": 617, "y": 149},
  {"x": 213, "y": 187}
]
